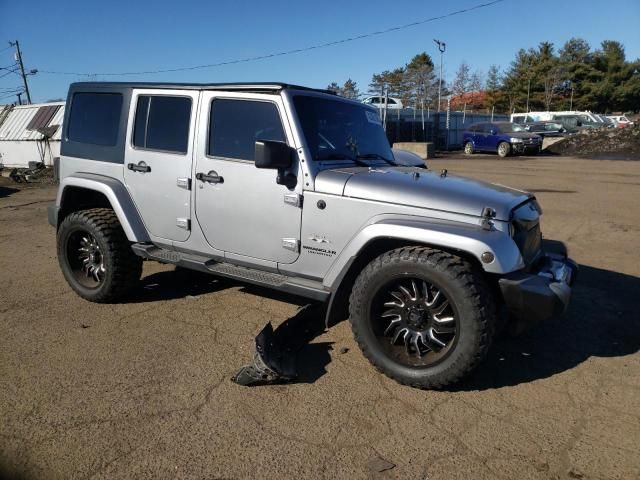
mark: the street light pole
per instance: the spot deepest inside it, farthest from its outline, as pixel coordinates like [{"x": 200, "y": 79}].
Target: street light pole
[{"x": 442, "y": 47}]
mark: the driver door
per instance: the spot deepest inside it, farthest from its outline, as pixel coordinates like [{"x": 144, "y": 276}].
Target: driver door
[{"x": 240, "y": 208}]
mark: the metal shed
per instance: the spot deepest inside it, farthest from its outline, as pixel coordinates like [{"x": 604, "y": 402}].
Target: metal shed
[{"x": 31, "y": 133}]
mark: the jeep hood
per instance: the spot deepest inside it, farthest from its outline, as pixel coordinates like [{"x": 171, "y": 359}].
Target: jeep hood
[{"x": 421, "y": 188}]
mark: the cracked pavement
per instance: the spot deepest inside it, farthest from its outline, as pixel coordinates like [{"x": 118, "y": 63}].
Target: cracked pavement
[{"x": 142, "y": 389}]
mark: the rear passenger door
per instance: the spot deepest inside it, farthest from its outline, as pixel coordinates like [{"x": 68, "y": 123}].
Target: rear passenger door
[{"x": 158, "y": 159}]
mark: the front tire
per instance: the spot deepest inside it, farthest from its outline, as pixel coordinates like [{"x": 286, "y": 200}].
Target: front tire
[
  {"x": 96, "y": 257},
  {"x": 423, "y": 317},
  {"x": 468, "y": 148},
  {"x": 504, "y": 149}
]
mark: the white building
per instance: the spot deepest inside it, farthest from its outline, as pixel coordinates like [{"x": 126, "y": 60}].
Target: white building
[{"x": 30, "y": 133}]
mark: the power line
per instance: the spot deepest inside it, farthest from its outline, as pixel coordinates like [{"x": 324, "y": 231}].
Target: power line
[
  {"x": 287, "y": 52},
  {"x": 6, "y": 48},
  {"x": 9, "y": 72}
]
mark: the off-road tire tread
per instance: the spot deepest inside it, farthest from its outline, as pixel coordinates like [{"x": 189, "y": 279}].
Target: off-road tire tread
[
  {"x": 125, "y": 264},
  {"x": 466, "y": 275}
]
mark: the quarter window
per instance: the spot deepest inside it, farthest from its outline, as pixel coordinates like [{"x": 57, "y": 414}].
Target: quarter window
[
  {"x": 95, "y": 118},
  {"x": 162, "y": 123},
  {"x": 235, "y": 125}
]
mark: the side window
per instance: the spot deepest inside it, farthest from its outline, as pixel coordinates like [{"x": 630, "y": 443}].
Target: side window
[
  {"x": 95, "y": 118},
  {"x": 162, "y": 123},
  {"x": 235, "y": 125},
  {"x": 375, "y": 100},
  {"x": 391, "y": 101}
]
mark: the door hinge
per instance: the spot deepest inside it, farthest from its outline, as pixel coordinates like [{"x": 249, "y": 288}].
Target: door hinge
[
  {"x": 291, "y": 244},
  {"x": 184, "y": 183},
  {"x": 183, "y": 223},
  {"x": 294, "y": 199}
]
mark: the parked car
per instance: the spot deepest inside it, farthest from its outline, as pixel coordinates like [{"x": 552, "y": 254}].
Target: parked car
[
  {"x": 379, "y": 101},
  {"x": 574, "y": 122},
  {"x": 296, "y": 190},
  {"x": 546, "y": 129},
  {"x": 505, "y": 138},
  {"x": 621, "y": 121}
]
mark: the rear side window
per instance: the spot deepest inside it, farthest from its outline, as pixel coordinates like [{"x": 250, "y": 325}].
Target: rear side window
[
  {"x": 162, "y": 123},
  {"x": 235, "y": 125},
  {"x": 95, "y": 118}
]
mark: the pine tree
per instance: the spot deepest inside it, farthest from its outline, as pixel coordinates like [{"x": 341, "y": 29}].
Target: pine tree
[{"x": 350, "y": 90}]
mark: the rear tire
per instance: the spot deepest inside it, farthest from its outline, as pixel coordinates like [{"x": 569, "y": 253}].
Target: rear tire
[
  {"x": 504, "y": 149},
  {"x": 468, "y": 148},
  {"x": 96, "y": 257},
  {"x": 413, "y": 334}
]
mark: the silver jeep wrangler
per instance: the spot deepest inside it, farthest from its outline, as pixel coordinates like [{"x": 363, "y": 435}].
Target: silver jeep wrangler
[{"x": 298, "y": 190}]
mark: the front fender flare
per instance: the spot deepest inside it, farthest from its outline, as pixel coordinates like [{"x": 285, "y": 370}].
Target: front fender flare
[
  {"x": 471, "y": 239},
  {"x": 117, "y": 195}
]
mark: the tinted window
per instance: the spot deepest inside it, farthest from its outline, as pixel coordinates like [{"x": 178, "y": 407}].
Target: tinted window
[
  {"x": 337, "y": 130},
  {"x": 95, "y": 118},
  {"x": 375, "y": 100},
  {"x": 235, "y": 125},
  {"x": 162, "y": 123},
  {"x": 391, "y": 101}
]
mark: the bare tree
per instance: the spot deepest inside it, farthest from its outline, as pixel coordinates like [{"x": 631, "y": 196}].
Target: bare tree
[{"x": 460, "y": 84}]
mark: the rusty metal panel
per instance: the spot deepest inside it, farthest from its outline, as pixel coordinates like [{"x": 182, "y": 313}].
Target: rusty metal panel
[{"x": 42, "y": 117}]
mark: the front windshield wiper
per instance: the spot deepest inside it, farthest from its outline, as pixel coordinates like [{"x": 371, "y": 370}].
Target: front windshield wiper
[
  {"x": 376, "y": 156},
  {"x": 340, "y": 156}
]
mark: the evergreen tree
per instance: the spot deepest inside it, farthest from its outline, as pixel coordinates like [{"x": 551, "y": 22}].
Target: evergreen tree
[{"x": 350, "y": 90}]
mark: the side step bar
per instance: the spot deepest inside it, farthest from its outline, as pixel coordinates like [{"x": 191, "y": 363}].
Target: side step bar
[{"x": 296, "y": 286}]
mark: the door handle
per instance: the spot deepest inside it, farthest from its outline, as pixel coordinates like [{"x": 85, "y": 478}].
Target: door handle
[
  {"x": 211, "y": 177},
  {"x": 141, "y": 167}
]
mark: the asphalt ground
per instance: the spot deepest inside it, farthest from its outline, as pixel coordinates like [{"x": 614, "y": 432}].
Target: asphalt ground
[{"x": 142, "y": 389}]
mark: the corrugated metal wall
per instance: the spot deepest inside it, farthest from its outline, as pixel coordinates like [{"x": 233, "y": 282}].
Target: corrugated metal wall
[
  {"x": 18, "y": 144},
  {"x": 15, "y": 125}
]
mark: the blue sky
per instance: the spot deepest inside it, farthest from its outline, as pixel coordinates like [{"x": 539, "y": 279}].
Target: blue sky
[{"x": 116, "y": 36}]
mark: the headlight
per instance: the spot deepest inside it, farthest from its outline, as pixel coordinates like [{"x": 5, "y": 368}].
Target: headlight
[{"x": 515, "y": 140}]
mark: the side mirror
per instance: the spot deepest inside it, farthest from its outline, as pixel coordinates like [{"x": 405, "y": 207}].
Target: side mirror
[
  {"x": 492, "y": 131},
  {"x": 271, "y": 154}
]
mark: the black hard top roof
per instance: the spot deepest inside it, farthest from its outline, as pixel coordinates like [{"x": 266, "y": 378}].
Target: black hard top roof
[{"x": 246, "y": 87}]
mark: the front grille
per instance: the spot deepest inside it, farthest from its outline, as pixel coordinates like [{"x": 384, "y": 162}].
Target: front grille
[
  {"x": 529, "y": 242},
  {"x": 526, "y": 231}
]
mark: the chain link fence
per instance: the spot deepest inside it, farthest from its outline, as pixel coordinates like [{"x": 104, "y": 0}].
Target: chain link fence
[{"x": 408, "y": 125}]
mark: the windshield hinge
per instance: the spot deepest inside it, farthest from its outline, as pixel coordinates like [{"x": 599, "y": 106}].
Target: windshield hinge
[{"x": 294, "y": 199}]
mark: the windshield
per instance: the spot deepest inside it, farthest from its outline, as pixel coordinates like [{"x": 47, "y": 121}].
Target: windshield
[
  {"x": 510, "y": 127},
  {"x": 337, "y": 130}
]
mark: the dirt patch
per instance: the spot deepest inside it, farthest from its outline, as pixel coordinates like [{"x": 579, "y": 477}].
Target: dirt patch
[{"x": 609, "y": 144}]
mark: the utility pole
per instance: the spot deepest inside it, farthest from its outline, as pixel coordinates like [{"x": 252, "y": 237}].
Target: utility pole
[
  {"x": 19, "y": 98},
  {"x": 24, "y": 75},
  {"x": 442, "y": 47}
]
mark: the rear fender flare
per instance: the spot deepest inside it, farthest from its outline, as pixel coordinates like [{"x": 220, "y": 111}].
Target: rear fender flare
[{"x": 117, "y": 195}]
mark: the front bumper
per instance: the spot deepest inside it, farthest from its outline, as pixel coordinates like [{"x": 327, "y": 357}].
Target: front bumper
[
  {"x": 543, "y": 293},
  {"x": 526, "y": 147}
]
